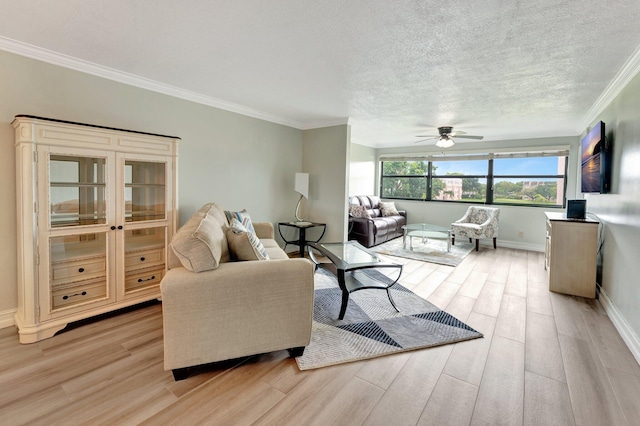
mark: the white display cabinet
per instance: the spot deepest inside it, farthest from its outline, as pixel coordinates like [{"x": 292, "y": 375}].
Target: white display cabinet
[{"x": 96, "y": 210}]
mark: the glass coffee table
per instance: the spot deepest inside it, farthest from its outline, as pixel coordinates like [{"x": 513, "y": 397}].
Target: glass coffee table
[
  {"x": 356, "y": 269},
  {"x": 424, "y": 231}
]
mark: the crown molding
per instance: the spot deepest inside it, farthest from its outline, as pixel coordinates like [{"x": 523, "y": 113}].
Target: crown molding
[
  {"x": 326, "y": 123},
  {"x": 59, "y": 59},
  {"x": 629, "y": 70}
]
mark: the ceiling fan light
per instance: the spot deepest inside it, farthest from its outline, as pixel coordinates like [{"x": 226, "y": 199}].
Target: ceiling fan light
[{"x": 444, "y": 142}]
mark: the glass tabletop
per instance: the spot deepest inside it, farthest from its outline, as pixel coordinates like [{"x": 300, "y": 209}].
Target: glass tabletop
[
  {"x": 425, "y": 227},
  {"x": 350, "y": 255}
]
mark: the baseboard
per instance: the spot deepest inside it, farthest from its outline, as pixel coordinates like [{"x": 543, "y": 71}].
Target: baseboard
[
  {"x": 515, "y": 245},
  {"x": 6, "y": 318},
  {"x": 620, "y": 323}
]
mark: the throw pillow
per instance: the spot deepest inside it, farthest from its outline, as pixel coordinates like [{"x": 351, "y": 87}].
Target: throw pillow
[
  {"x": 388, "y": 209},
  {"x": 217, "y": 213},
  {"x": 359, "y": 211},
  {"x": 198, "y": 243},
  {"x": 243, "y": 217},
  {"x": 244, "y": 245}
]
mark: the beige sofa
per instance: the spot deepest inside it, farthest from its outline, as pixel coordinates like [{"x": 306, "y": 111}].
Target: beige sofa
[{"x": 236, "y": 308}]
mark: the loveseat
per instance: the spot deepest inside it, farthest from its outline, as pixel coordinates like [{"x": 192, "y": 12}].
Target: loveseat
[
  {"x": 217, "y": 306},
  {"x": 373, "y": 222}
]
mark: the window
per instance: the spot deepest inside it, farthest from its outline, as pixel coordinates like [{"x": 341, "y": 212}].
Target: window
[
  {"x": 524, "y": 178},
  {"x": 530, "y": 180},
  {"x": 404, "y": 179},
  {"x": 459, "y": 180}
]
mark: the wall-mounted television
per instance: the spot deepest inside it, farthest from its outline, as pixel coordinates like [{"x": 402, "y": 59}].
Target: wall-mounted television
[{"x": 595, "y": 161}]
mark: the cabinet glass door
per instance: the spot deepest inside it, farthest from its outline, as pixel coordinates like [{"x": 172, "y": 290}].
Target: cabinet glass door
[
  {"x": 77, "y": 191},
  {"x": 78, "y": 269},
  {"x": 144, "y": 259},
  {"x": 145, "y": 184}
]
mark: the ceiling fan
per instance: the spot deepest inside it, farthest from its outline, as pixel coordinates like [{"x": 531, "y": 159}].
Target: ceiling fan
[{"x": 446, "y": 135}]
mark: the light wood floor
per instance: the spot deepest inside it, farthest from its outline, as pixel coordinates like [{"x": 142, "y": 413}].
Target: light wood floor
[{"x": 545, "y": 359}]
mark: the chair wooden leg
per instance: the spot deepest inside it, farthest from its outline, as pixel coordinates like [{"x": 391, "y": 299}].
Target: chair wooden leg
[
  {"x": 494, "y": 243},
  {"x": 470, "y": 239},
  {"x": 477, "y": 243},
  {"x": 453, "y": 240}
]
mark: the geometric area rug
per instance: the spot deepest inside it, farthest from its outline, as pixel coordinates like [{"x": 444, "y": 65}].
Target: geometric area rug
[
  {"x": 371, "y": 327},
  {"x": 433, "y": 250}
]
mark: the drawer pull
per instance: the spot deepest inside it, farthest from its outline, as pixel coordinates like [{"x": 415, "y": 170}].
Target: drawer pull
[
  {"x": 81, "y": 270},
  {"x": 140, "y": 280},
  {"x": 84, "y": 293},
  {"x": 142, "y": 259}
]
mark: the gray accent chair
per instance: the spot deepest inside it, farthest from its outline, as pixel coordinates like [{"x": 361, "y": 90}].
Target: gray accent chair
[{"x": 478, "y": 222}]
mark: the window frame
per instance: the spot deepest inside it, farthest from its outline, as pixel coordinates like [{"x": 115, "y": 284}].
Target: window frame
[{"x": 490, "y": 177}]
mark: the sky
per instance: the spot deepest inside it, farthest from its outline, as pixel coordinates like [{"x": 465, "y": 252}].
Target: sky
[{"x": 502, "y": 166}]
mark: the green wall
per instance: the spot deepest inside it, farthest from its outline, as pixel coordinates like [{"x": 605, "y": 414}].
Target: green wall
[{"x": 231, "y": 159}]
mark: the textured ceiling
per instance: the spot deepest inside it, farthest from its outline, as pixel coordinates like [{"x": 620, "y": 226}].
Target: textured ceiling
[{"x": 394, "y": 69}]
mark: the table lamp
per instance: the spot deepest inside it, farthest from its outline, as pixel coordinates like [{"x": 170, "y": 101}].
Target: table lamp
[{"x": 302, "y": 187}]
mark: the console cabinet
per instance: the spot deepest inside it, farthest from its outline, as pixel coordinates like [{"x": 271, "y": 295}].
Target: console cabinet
[
  {"x": 96, "y": 209},
  {"x": 571, "y": 255}
]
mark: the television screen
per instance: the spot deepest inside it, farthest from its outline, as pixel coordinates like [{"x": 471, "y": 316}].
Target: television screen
[{"x": 593, "y": 159}]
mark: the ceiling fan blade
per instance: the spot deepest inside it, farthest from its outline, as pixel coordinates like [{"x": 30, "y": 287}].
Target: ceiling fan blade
[
  {"x": 469, "y": 137},
  {"x": 428, "y": 136},
  {"x": 458, "y": 132}
]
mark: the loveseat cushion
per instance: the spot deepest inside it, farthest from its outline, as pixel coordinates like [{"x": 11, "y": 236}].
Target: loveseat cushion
[
  {"x": 244, "y": 245},
  {"x": 273, "y": 249},
  {"x": 389, "y": 209},
  {"x": 243, "y": 217},
  {"x": 359, "y": 211},
  {"x": 198, "y": 244},
  {"x": 213, "y": 210}
]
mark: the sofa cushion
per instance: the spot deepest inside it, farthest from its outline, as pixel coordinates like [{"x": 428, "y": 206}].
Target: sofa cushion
[
  {"x": 198, "y": 244},
  {"x": 273, "y": 249},
  {"x": 243, "y": 217},
  {"x": 244, "y": 245},
  {"x": 213, "y": 210},
  {"x": 389, "y": 209},
  {"x": 359, "y": 211}
]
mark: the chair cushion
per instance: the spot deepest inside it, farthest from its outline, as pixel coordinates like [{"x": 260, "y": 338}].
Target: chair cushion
[{"x": 199, "y": 243}]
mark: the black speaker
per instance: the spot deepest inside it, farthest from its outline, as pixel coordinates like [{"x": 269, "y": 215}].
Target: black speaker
[{"x": 576, "y": 209}]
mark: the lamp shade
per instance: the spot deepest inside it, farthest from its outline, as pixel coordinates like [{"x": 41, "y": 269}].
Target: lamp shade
[{"x": 302, "y": 184}]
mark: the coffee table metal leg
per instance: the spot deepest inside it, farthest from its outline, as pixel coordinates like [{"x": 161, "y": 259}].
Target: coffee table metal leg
[
  {"x": 345, "y": 294},
  {"x": 391, "y": 300}
]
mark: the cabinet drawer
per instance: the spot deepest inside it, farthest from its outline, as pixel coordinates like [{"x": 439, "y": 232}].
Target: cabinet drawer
[
  {"x": 69, "y": 295},
  {"x": 81, "y": 269},
  {"x": 143, "y": 278},
  {"x": 143, "y": 259}
]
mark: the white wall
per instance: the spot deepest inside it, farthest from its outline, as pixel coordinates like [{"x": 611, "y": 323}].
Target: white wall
[
  {"x": 620, "y": 212},
  {"x": 325, "y": 158},
  {"x": 233, "y": 160},
  {"x": 520, "y": 227},
  {"x": 362, "y": 170}
]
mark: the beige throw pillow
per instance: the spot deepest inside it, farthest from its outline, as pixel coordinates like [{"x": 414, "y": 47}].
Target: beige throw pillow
[
  {"x": 198, "y": 244},
  {"x": 359, "y": 211},
  {"x": 389, "y": 209},
  {"x": 244, "y": 245}
]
